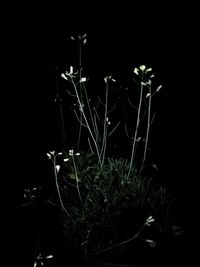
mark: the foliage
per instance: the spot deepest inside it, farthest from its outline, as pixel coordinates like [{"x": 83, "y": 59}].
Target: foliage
[{"x": 105, "y": 208}]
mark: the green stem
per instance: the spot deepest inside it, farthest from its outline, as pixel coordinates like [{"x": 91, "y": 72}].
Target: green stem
[
  {"x": 147, "y": 132},
  {"x": 136, "y": 130},
  {"x": 103, "y": 148},
  {"x": 121, "y": 243},
  {"x": 92, "y": 117},
  {"x": 86, "y": 122},
  {"x": 77, "y": 180},
  {"x": 81, "y": 97},
  {"x": 57, "y": 187}
]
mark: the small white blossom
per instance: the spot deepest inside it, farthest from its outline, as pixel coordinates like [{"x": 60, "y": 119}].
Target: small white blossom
[
  {"x": 109, "y": 78},
  {"x": 83, "y": 79},
  {"x": 64, "y": 76},
  {"x": 149, "y": 220},
  {"x": 159, "y": 87},
  {"x": 71, "y": 71},
  {"x": 142, "y": 67},
  {"x": 81, "y": 106},
  {"x": 148, "y": 82},
  {"x": 151, "y": 242},
  {"x": 144, "y": 84},
  {"x": 106, "y": 79},
  {"x": 57, "y": 168},
  {"x": 49, "y": 155},
  {"x": 148, "y": 70},
  {"x": 147, "y": 95},
  {"x": 49, "y": 257},
  {"x": 136, "y": 71},
  {"x": 155, "y": 166},
  {"x": 66, "y": 159},
  {"x": 71, "y": 152}
]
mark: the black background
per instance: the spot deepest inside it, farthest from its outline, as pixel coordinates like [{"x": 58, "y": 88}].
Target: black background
[
  {"x": 36, "y": 39},
  {"x": 119, "y": 38}
]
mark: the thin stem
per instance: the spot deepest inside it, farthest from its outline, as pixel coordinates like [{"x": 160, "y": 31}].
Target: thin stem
[
  {"x": 104, "y": 143},
  {"x": 113, "y": 130},
  {"x": 82, "y": 124},
  {"x": 147, "y": 131},
  {"x": 86, "y": 122},
  {"x": 90, "y": 112},
  {"x": 57, "y": 187},
  {"x": 63, "y": 132},
  {"x": 77, "y": 179},
  {"x": 81, "y": 96},
  {"x": 90, "y": 146},
  {"x": 96, "y": 130},
  {"x": 136, "y": 130},
  {"x": 80, "y": 130},
  {"x": 121, "y": 243}
]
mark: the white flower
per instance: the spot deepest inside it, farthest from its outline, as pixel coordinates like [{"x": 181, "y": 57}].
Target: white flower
[
  {"x": 142, "y": 67},
  {"x": 83, "y": 79},
  {"x": 49, "y": 257},
  {"x": 147, "y": 70},
  {"x": 136, "y": 71},
  {"x": 148, "y": 82},
  {"x": 71, "y": 71},
  {"x": 49, "y": 155},
  {"x": 106, "y": 79},
  {"x": 149, "y": 220},
  {"x": 57, "y": 168},
  {"x": 71, "y": 152},
  {"x": 159, "y": 87},
  {"x": 109, "y": 78},
  {"x": 147, "y": 95},
  {"x": 144, "y": 84},
  {"x": 151, "y": 242},
  {"x": 81, "y": 106},
  {"x": 64, "y": 76}
]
